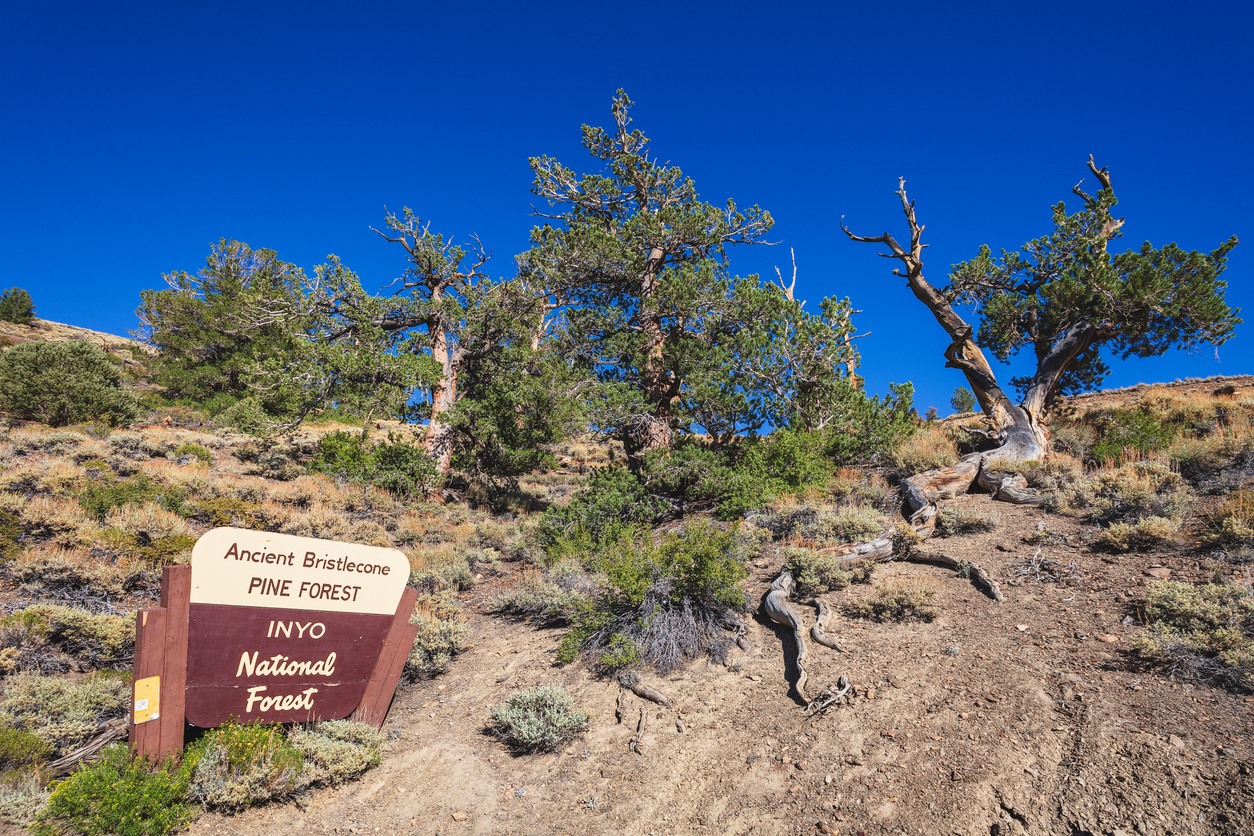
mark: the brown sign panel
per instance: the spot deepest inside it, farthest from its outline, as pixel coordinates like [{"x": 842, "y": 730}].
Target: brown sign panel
[{"x": 283, "y": 628}]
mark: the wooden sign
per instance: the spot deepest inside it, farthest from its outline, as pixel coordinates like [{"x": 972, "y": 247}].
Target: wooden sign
[{"x": 284, "y": 628}]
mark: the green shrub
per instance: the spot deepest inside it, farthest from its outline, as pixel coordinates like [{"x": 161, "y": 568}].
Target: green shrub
[
  {"x": 50, "y": 637},
  {"x": 395, "y": 465},
  {"x": 102, "y": 496},
  {"x": 337, "y": 750},
  {"x": 224, "y": 511},
  {"x": 63, "y": 712},
  {"x": 60, "y": 383},
  {"x": 613, "y": 502},
  {"x": 240, "y": 765},
  {"x": 201, "y": 453},
  {"x": 20, "y": 748},
  {"x": 538, "y": 719},
  {"x": 442, "y": 632},
  {"x": 1201, "y": 632},
  {"x": 118, "y": 796},
  {"x": 664, "y": 603},
  {"x": 246, "y": 415},
  {"x": 16, "y": 306},
  {"x": 815, "y": 573},
  {"x": 1123, "y": 432},
  {"x": 897, "y": 602}
]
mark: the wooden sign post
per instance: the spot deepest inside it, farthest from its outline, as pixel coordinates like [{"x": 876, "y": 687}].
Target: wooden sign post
[{"x": 266, "y": 627}]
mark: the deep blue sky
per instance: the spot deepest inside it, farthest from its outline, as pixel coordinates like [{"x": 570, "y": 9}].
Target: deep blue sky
[{"x": 132, "y": 136}]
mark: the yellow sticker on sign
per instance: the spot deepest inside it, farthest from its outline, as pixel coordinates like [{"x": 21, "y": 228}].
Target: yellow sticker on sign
[{"x": 147, "y": 699}]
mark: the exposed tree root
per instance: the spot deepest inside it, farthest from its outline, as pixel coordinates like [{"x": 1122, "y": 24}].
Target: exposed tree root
[
  {"x": 817, "y": 631},
  {"x": 977, "y": 574},
  {"x": 631, "y": 681},
  {"x": 636, "y": 742}
]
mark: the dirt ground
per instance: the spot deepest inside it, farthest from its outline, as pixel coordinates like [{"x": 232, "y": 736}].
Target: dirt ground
[{"x": 993, "y": 719}]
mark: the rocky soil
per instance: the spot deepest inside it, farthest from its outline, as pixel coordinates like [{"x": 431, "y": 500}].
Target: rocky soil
[{"x": 1033, "y": 716}]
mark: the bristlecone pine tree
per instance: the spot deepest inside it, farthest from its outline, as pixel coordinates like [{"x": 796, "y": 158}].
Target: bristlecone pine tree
[{"x": 1065, "y": 296}]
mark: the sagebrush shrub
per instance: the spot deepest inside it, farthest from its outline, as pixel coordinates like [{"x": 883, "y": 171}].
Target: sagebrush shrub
[
  {"x": 952, "y": 520},
  {"x": 49, "y": 637},
  {"x": 238, "y": 765},
  {"x": 538, "y": 719},
  {"x": 337, "y": 750},
  {"x": 63, "y": 712},
  {"x": 1203, "y": 632},
  {"x": 60, "y": 383}
]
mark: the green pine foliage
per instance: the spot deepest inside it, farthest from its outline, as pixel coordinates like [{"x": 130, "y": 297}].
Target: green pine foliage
[
  {"x": 613, "y": 503},
  {"x": 210, "y": 344},
  {"x": 16, "y": 306},
  {"x": 395, "y": 465},
  {"x": 963, "y": 400},
  {"x": 60, "y": 383}
]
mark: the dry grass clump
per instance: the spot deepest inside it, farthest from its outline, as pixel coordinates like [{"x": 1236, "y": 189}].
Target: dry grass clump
[
  {"x": 187, "y": 478},
  {"x": 854, "y": 487},
  {"x": 62, "y": 520},
  {"x": 50, "y": 638},
  {"x": 928, "y": 449},
  {"x": 1217, "y": 463},
  {"x": 442, "y": 631},
  {"x": 1233, "y": 522},
  {"x": 1144, "y": 535},
  {"x": 148, "y": 522},
  {"x": 899, "y": 600},
  {"x": 1130, "y": 492},
  {"x": 318, "y": 521},
  {"x": 818, "y": 526},
  {"x": 442, "y": 566},
  {"x": 80, "y": 576},
  {"x": 952, "y": 520}
]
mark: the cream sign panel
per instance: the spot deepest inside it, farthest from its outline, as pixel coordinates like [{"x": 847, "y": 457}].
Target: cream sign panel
[{"x": 235, "y": 567}]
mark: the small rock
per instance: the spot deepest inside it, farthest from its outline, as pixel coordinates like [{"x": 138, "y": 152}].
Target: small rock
[
  {"x": 1022, "y": 628},
  {"x": 801, "y": 765},
  {"x": 1118, "y": 832},
  {"x": 827, "y": 779},
  {"x": 460, "y": 817},
  {"x": 755, "y": 678},
  {"x": 1080, "y": 635},
  {"x": 979, "y": 704},
  {"x": 679, "y": 726},
  {"x": 964, "y": 715},
  {"x": 1227, "y": 753},
  {"x": 823, "y": 826},
  {"x": 751, "y": 759},
  {"x": 1004, "y": 547},
  {"x": 870, "y": 693},
  {"x": 1108, "y": 638},
  {"x": 1160, "y": 572},
  {"x": 953, "y": 651},
  {"x": 1175, "y": 741}
]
